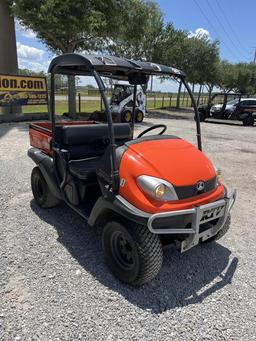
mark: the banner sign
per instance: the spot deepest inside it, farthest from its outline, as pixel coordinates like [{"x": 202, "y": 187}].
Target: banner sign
[{"x": 22, "y": 90}]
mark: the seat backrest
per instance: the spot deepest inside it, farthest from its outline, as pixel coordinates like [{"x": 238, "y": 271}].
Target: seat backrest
[{"x": 90, "y": 140}]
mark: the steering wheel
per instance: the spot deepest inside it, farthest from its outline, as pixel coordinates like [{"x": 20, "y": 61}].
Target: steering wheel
[{"x": 156, "y": 126}]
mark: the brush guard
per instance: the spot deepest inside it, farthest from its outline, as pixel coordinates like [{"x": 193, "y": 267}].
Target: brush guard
[{"x": 216, "y": 212}]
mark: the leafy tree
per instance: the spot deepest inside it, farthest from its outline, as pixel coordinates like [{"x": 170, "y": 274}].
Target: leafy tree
[
  {"x": 197, "y": 56},
  {"x": 135, "y": 30},
  {"x": 60, "y": 80},
  {"x": 66, "y": 26},
  {"x": 228, "y": 75},
  {"x": 27, "y": 72},
  {"x": 169, "y": 49},
  {"x": 246, "y": 81},
  {"x": 203, "y": 59},
  {"x": 238, "y": 77},
  {"x": 139, "y": 31}
]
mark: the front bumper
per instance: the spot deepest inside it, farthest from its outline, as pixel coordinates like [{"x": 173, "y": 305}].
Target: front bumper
[{"x": 202, "y": 222}]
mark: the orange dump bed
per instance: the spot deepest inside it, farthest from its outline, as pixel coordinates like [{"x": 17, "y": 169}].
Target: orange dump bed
[{"x": 40, "y": 133}]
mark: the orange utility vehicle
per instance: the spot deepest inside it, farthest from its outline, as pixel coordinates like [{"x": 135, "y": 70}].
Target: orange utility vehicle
[{"x": 144, "y": 191}]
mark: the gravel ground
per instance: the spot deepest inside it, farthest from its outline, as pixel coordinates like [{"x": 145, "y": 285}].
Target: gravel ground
[{"x": 54, "y": 284}]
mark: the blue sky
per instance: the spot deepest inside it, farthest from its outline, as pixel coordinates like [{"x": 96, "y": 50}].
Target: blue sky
[{"x": 232, "y": 22}]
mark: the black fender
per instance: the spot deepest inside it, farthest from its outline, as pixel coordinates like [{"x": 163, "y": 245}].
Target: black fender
[
  {"x": 45, "y": 164},
  {"x": 108, "y": 207}
]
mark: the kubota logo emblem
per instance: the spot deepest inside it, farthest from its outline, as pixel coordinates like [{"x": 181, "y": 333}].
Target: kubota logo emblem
[{"x": 200, "y": 186}]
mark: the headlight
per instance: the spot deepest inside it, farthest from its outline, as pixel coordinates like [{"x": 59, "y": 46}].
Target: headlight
[
  {"x": 160, "y": 191},
  {"x": 156, "y": 188}
]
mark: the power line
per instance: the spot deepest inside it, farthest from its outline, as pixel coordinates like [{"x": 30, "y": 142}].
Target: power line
[
  {"x": 229, "y": 24},
  {"x": 223, "y": 27},
  {"x": 212, "y": 26},
  {"x": 206, "y": 18}
]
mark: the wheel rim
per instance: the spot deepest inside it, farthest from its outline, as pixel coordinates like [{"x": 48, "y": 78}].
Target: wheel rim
[
  {"x": 122, "y": 251},
  {"x": 127, "y": 116},
  {"x": 139, "y": 116}
]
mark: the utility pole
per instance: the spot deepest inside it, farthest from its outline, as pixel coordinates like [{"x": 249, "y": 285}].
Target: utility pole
[
  {"x": 254, "y": 59},
  {"x": 8, "y": 54},
  {"x": 254, "y": 74},
  {"x": 151, "y": 84}
]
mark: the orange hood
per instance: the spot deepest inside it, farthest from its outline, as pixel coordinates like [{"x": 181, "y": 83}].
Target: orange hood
[{"x": 174, "y": 160}]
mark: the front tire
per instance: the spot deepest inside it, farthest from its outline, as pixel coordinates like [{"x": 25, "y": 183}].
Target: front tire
[
  {"x": 133, "y": 254},
  {"x": 248, "y": 121},
  {"x": 126, "y": 116},
  {"x": 41, "y": 191},
  {"x": 139, "y": 116}
]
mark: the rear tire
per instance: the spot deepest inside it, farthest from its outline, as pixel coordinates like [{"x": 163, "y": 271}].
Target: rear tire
[
  {"x": 139, "y": 116},
  {"x": 248, "y": 121},
  {"x": 133, "y": 254},
  {"x": 126, "y": 116},
  {"x": 41, "y": 191},
  {"x": 222, "y": 232}
]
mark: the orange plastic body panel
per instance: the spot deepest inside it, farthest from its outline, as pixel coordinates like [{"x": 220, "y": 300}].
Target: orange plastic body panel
[
  {"x": 40, "y": 133},
  {"x": 173, "y": 160}
]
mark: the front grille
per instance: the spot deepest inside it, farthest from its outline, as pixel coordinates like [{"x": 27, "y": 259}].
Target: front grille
[
  {"x": 184, "y": 192},
  {"x": 183, "y": 221}
]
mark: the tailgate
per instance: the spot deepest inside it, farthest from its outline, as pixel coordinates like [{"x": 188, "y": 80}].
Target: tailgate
[{"x": 40, "y": 135}]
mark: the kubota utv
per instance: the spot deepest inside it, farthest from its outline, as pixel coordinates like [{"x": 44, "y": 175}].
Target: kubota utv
[
  {"x": 229, "y": 106},
  {"x": 145, "y": 191}
]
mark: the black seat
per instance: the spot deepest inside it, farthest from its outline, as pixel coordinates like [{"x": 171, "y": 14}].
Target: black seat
[
  {"x": 84, "y": 169},
  {"x": 90, "y": 140},
  {"x": 87, "y": 143}
]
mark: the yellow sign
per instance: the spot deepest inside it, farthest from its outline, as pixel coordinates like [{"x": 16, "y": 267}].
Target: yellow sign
[
  {"x": 22, "y": 83},
  {"x": 22, "y": 90}
]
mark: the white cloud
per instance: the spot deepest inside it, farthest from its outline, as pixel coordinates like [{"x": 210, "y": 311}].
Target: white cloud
[
  {"x": 33, "y": 66},
  {"x": 24, "y": 31},
  {"x": 29, "y": 34},
  {"x": 31, "y": 58},
  {"x": 200, "y": 33},
  {"x": 29, "y": 52}
]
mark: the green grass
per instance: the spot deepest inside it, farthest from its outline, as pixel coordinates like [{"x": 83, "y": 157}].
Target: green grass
[
  {"x": 158, "y": 104},
  {"x": 93, "y": 105},
  {"x": 61, "y": 107},
  {"x": 185, "y": 102},
  {"x": 151, "y": 104}
]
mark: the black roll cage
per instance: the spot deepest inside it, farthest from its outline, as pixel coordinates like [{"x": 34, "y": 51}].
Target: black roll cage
[
  {"x": 136, "y": 72},
  {"x": 225, "y": 96}
]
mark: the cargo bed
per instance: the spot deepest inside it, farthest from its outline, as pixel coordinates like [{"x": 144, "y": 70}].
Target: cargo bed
[{"x": 40, "y": 133}]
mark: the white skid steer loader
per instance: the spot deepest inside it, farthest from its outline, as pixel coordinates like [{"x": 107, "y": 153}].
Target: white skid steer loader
[{"x": 121, "y": 103}]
